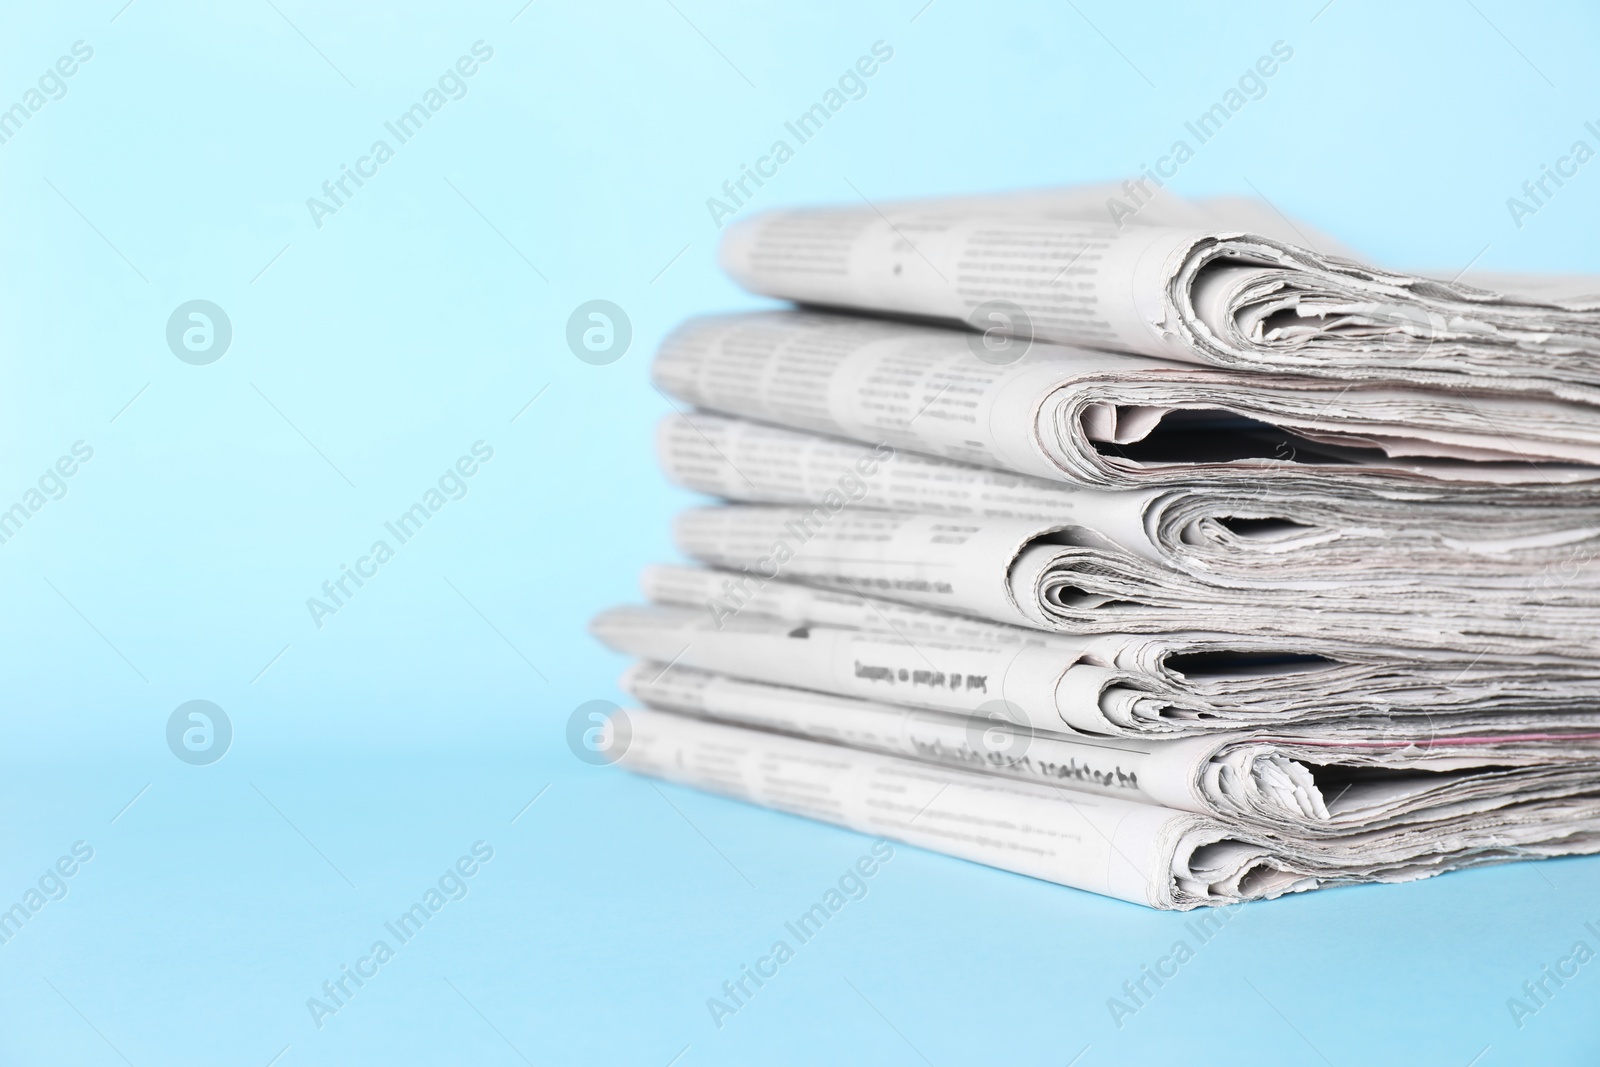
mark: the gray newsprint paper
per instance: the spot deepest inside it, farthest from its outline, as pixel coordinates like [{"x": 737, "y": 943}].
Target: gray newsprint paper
[
  {"x": 1288, "y": 786},
  {"x": 1219, "y": 285},
  {"x": 1149, "y": 854},
  {"x": 1042, "y": 575},
  {"x": 1108, "y": 420},
  {"x": 1224, "y": 537},
  {"x": 1111, "y": 685}
]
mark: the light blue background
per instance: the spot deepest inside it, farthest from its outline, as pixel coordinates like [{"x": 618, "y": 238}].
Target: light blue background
[{"x": 429, "y": 711}]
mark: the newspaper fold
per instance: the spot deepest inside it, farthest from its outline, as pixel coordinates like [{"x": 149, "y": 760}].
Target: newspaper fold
[
  {"x": 1144, "y": 853},
  {"x": 1289, "y": 787},
  {"x": 1046, "y": 576},
  {"x": 1115, "y": 685},
  {"x": 1226, "y": 537},
  {"x": 1069, "y": 272},
  {"x": 1111, "y": 420}
]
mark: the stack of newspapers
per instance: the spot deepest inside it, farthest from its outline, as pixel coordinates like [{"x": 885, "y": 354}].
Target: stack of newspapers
[{"x": 1179, "y": 558}]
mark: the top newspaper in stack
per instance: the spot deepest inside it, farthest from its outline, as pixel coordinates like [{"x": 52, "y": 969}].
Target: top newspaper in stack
[{"x": 1230, "y": 284}]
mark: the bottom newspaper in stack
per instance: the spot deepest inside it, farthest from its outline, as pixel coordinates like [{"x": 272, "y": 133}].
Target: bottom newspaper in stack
[{"x": 1078, "y": 783}]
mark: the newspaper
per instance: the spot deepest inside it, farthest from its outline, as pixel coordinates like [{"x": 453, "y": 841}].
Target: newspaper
[
  {"x": 1110, "y": 420},
  {"x": 1148, "y": 854},
  {"x": 1026, "y": 573},
  {"x": 1291, "y": 787},
  {"x": 1276, "y": 538},
  {"x": 1215, "y": 290},
  {"x": 1142, "y": 853},
  {"x": 1115, "y": 685}
]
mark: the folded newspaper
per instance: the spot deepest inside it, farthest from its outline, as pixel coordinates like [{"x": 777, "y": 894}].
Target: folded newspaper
[
  {"x": 1199, "y": 286},
  {"x": 1225, "y": 536},
  {"x": 1026, "y": 573},
  {"x": 1147, "y": 853},
  {"x": 1110, "y": 420},
  {"x": 1290, "y": 787},
  {"x": 1114, "y": 685},
  {"x": 1165, "y": 552}
]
